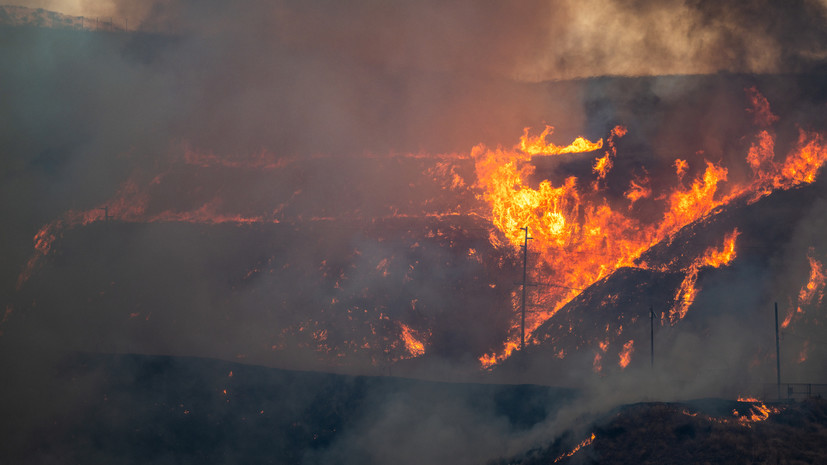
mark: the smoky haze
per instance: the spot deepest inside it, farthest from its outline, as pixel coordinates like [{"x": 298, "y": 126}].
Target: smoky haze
[{"x": 336, "y": 95}]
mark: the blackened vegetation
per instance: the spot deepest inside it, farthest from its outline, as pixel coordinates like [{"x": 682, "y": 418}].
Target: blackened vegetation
[
  {"x": 621, "y": 299},
  {"x": 696, "y": 432},
  {"x": 145, "y": 409},
  {"x": 336, "y": 292}
]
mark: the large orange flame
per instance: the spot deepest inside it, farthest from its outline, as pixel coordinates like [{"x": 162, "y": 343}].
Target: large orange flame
[{"x": 581, "y": 239}]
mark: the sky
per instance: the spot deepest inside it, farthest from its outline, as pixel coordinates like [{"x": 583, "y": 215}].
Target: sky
[{"x": 533, "y": 41}]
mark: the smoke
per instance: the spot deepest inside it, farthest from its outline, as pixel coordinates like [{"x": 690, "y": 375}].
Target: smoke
[{"x": 199, "y": 103}]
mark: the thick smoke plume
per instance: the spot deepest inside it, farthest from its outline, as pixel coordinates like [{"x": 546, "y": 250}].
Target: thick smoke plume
[{"x": 316, "y": 118}]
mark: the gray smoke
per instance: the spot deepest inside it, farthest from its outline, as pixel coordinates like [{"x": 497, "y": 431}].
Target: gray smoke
[{"x": 336, "y": 91}]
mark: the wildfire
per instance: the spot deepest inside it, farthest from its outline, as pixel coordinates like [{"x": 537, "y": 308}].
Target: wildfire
[
  {"x": 579, "y": 236},
  {"x": 581, "y": 239}
]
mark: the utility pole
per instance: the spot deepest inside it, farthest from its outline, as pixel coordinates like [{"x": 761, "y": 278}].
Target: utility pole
[
  {"x": 777, "y": 353},
  {"x": 652, "y": 336},
  {"x": 524, "y": 284}
]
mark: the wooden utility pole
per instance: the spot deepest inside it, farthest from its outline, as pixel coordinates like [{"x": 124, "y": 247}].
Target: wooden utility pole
[
  {"x": 524, "y": 284},
  {"x": 777, "y": 353},
  {"x": 105, "y": 213},
  {"x": 652, "y": 336}
]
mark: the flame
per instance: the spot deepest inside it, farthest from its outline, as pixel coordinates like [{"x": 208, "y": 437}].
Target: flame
[
  {"x": 715, "y": 257},
  {"x": 763, "y": 116},
  {"x": 812, "y": 290},
  {"x": 602, "y": 166},
  {"x": 538, "y": 145},
  {"x": 757, "y": 412},
  {"x": 712, "y": 257},
  {"x": 595, "y": 238},
  {"x": 581, "y": 238},
  {"x": 638, "y": 189},
  {"x": 626, "y": 354},
  {"x": 686, "y": 205},
  {"x": 585, "y": 443},
  {"x": 681, "y": 167},
  {"x": 414, "y": 346},
  {"x": 815, "y": 285},
  {"x": 801, "y": 165}
]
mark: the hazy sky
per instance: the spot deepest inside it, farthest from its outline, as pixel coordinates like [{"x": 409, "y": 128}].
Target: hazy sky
[{"x": 533, "y": 41}]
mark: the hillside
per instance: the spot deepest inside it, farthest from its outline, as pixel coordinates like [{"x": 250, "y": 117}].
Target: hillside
[
  {"x": 699, "y": 432},
  {"x": 137, "y": 409}
]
